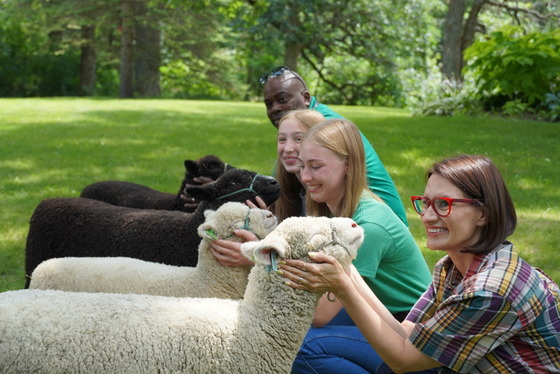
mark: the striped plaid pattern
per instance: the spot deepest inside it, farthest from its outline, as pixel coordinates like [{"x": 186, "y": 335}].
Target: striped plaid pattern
[{"x": 502, "y": 317}]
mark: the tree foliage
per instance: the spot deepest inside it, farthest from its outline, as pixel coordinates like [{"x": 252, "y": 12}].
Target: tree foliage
[
  {"x": 516, "y": 65},
  {"x": 350, "y": 52},
  {"x": 353, "y": 50}
]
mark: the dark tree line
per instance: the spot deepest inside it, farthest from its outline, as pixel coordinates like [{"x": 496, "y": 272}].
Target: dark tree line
[{"x": 354, "y": 51}]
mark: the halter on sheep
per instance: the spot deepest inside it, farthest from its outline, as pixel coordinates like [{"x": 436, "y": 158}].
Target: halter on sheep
[
  {"x": 134, "y": 195},
  {"x": 273, "y": 266},
  {"x": 249, "y": 189},
  {"x": 246, "y": 226}
]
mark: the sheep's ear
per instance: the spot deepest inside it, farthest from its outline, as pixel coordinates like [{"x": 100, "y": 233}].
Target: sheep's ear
[
  {"x": 259, "y": 252},
  {"x": 191, "y": 166},
  {"x": 207, "y": 227},
  {"x": 208, "y": 212},
  {"x": 207, "y": 230}
]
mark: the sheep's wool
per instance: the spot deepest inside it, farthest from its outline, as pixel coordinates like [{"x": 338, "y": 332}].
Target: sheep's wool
[
  {"x": 128, "y": 275},
  {"x": 72, "y": 332}
]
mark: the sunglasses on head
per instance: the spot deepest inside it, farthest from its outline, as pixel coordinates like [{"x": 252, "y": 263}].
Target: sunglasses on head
[{"x": 277, "y": 72}]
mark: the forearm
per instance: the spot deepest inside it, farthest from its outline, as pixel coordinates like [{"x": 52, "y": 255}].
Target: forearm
[
  {"x": 382, "y": 331},
  {"x": 375, "y": 304},
  {"x": 325, "y": 311},
  {"x": 388, "y": 341}
]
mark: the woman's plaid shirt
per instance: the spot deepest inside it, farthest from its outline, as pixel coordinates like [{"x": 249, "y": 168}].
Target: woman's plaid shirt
[{"x": 502, "y": 317}]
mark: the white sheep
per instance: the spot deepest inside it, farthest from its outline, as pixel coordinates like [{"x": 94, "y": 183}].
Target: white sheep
[
  {"x": 72, "y": 332},
  {"x": 128, "y": 275}
]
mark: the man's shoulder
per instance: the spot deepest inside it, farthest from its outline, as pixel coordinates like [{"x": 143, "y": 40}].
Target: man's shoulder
[{"x": 323, "y": 109}]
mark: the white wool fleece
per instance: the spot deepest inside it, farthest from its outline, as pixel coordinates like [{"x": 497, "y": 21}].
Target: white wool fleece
[{"x": 71, "y": 332}]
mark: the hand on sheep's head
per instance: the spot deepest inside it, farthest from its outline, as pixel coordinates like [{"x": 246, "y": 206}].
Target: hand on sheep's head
[
  {"x": 295, "y": 237},
  {"x": 232, "y": 216}
]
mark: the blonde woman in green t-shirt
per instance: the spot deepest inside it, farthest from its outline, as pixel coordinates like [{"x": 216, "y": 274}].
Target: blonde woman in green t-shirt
[{"x": 332, "y": 169}]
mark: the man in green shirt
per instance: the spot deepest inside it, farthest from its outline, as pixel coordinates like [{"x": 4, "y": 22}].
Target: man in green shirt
[{"x": 285, "y": 90}]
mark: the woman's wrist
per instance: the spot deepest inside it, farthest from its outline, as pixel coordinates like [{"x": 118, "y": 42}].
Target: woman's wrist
[{"x": 345, "y": 289}]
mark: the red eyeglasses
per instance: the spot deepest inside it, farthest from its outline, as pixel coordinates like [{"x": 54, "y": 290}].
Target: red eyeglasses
[{"x": 441, "y": 205}]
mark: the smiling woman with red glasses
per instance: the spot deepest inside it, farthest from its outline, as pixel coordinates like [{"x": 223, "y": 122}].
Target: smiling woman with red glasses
[{"x": 486, "y": 310}]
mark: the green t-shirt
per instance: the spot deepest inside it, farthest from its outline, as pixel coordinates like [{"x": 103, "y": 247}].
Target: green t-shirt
[
  {"x": 379, "y": 180},
  {"x": 389, "y": 259}
]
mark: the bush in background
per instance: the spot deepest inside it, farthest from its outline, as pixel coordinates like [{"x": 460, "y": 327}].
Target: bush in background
[
  {"x": 515, "y": 71},
  {"x": 28, "y": 68},
  {"x": 434, "y": 96}
]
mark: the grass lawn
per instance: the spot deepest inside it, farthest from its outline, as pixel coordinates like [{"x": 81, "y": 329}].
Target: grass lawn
[{"x": 55, "y": 147}]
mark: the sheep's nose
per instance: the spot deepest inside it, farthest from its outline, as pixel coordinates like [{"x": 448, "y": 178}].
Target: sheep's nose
[{"x": 273, "y": 182}]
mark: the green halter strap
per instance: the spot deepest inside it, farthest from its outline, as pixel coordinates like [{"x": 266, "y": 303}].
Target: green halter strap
[
  {"x": 274, "y": 261},
  {"x": 334, "y": 240},
  {"x": 250, "y": 189},
  {"x": 246, "y": 226}
]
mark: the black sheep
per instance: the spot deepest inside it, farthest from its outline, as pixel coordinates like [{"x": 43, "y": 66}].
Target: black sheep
[
  {"x": 80, "y": 227},
  {"x": 135, "y": 195}
]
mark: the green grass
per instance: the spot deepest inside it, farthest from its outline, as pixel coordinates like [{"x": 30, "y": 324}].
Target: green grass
[{"x": 55, "y": 147}]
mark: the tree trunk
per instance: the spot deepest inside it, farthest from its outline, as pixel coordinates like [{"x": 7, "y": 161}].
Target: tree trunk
[
  {"x": 291, "y": 55},
  {"x": 471, "y": 24},
  {"x": 292, "y": 48},
  {"x": 452, "y": 54},
  {"x": 88, "y": 61},
  {"x": 127, "y": 53},
  {"x": 147, "y": 58}
]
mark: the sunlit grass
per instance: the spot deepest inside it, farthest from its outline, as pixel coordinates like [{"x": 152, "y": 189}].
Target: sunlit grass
[{"x": 55, "y": 147}]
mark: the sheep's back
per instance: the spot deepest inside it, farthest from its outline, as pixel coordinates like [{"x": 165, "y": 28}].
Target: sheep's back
[
  {"x": 112, "y": 275},
  {"x": 130, "y": 195},
  {"x": 55, "y": 331},
  {"x": 79, "y": 227}
]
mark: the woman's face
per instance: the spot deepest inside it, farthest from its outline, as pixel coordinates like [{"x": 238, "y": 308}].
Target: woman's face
[
  {"x": 289, "y": 138},
  {"x": 324, "y": 175},
  {"x": 460, "y": 228}
]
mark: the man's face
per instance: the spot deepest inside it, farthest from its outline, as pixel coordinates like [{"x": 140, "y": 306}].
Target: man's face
[{"x": 282, "y": 94}]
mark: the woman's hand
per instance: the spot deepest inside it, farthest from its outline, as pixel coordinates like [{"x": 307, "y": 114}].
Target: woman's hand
[
  {"x": 190, "y": 202},
  {"x": 324, "y": 275},
  {"x": 228, "y": 253},
  {"x": 262, "y": 204}
]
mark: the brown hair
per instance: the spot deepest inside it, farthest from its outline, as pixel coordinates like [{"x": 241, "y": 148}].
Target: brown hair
[
  {"x": 289, "y": 203},
  {"x": 479, "y": 178},
  {"x": 343, "y": 138}
]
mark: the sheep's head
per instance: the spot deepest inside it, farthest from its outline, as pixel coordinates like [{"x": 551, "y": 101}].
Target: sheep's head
[
  {"x": 295, "y": 237},
  {"x": 236, "y": 185},
  {"x": 233, "y": 215},
  {"x": 208, "y": 166}
]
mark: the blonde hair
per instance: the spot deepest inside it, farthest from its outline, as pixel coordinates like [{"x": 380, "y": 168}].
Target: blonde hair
[
  {"x": 344, "y": 139},
  {"x": 289, "y": 203}
]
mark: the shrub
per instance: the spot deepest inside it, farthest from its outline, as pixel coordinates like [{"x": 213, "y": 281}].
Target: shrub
[
  {"x": 516, "y": 108},
  {"x": 435, "y": 96},
  {"x": 551, "y": 107},
  {"x": 516, "y": 65}
]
